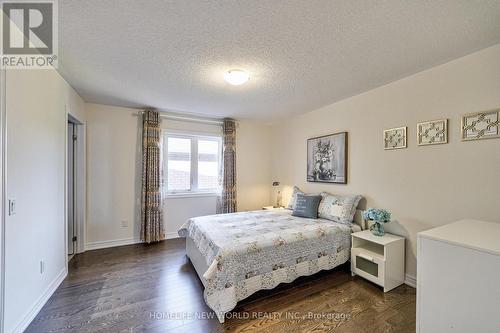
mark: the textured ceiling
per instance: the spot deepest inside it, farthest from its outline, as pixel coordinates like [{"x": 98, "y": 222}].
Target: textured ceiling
[{"x": 301, "y": 55}]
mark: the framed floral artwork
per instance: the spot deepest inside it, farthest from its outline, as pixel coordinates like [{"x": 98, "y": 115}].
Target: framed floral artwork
[{"x": 327, "y": 159}]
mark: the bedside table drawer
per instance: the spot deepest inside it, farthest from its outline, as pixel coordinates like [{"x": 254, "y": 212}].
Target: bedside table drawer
[{"x": 367, "y": 266}]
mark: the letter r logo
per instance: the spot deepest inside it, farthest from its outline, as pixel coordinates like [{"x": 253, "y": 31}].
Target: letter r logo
[{"x": 27, "y": 28}]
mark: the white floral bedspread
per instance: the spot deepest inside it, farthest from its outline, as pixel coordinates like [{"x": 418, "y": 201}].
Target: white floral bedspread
[{"x": 250, "y": 251}]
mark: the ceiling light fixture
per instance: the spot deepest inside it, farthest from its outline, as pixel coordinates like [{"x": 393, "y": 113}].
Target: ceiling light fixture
[{"x": 236, "y": 77}]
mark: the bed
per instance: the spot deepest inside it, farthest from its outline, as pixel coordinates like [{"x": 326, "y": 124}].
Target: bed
[{"x": 238, "y": 254}]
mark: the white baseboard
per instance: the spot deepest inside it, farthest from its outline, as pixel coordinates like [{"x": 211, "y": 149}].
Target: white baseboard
[
  {"x": 171, "y": 235},
  {"x": 40, "y": 302},
  {"x": 111, "y": 243},
  {"x": 410, "y": 281},
  {"x": 121, "y": 242}
]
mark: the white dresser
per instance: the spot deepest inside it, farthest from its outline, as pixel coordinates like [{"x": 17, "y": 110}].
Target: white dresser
[{"x": 458, "y": 278}]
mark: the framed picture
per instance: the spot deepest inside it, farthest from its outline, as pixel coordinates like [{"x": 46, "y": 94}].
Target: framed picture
[
  {"x": 432, "y": 132},
  {"x": 395, "y": 138},
  {"x": 481, "y": 125},
  {"x": 327, "y": 159}
]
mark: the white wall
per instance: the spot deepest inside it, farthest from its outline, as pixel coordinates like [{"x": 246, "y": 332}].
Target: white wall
[
  {"x": 253, "y": 158},
  {"x": 423, "y": 187},
  {"x": 114, "y": 167},
  {"x": 36, "y": 147},
  {"x": 113, "y": 170},
  {"x": 178, "y": 210}
]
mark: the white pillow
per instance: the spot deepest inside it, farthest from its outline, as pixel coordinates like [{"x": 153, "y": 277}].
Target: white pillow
[
  {"x": 293, "y": 199},
  {"x": 338, "y": 208}
]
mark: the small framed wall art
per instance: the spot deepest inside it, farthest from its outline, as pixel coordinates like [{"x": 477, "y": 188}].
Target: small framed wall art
[
  {"x": 481, "y": 125},
  {"x": 395, "y": 138},
  {"x": 432, "y": 132}
]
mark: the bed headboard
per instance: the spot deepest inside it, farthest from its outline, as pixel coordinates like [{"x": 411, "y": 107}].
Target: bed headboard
[{"x": 358, "y": 219}]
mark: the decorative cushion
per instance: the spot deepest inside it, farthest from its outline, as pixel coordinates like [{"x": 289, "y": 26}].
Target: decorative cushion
[
  {"x": 306, "y": 205},
  {"x": 338, "y": 208},
  {"x": 291, "y": 204}
]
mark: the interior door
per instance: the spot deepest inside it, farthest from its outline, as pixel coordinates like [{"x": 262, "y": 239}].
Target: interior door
[{"x": 71, "y": 188}]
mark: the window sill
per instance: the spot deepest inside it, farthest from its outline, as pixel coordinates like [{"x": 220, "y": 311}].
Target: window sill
[{"x": 191, "y": 195}]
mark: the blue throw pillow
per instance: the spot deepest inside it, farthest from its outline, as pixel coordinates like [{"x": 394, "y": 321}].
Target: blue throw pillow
[{"x": 306, "y": 205}]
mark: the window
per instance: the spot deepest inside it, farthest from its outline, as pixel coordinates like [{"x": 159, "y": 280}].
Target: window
[
  {"x": 192, "y": 163},
  {"x": 179, "y": 164}
]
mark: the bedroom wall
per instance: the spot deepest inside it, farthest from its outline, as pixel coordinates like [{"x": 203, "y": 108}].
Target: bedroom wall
[
  {"x": 253, "y": 157},
  {"x": 423, "y": 187},
  {"x": 36, "y": 141},
  {"x": 114, "y": 166},
  {"x": 113, "y": 163}
]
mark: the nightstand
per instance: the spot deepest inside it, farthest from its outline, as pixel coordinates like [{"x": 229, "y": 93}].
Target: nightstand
[
  {"x": 272, "y": 208},
  {"x": 379, "y": 259}
]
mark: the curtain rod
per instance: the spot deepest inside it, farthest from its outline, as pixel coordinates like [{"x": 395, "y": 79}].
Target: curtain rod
[{"x": 187, "y": 118}]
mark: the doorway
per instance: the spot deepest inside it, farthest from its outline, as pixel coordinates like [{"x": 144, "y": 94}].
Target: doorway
[
  {"x": 71, "y": 156},
  {"x": 75, "y": 186}
]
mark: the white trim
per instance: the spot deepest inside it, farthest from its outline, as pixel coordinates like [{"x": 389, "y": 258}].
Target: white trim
[
  {"x": 191, "y": 195},
  {"x": 24, "y": 323},
  {"x": 3, "y": 194},
  {"x": 65, "y": 253},
  {"x": 121, "y": 242},
  {"x": 111, "y": 243},
  {"x": 410, "y": 281},
  {"x": 171, "y": 235}
]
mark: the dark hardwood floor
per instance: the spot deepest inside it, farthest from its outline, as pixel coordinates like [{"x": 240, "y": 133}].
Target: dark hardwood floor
[{"x": 154, "y": 288}]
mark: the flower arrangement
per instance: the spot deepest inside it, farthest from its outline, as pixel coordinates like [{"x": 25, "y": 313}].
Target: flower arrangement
[
  {"x": 378, "y": 216},
  {"x": 323, "y": 155}
]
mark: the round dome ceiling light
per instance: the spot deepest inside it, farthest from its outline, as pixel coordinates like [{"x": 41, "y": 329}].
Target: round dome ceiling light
[{"x": 236, "y": 77}]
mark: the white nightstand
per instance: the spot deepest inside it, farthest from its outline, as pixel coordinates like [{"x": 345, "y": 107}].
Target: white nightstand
[
  {"x": 379, "y": 259},
  {"x": 272, "y": 208}
]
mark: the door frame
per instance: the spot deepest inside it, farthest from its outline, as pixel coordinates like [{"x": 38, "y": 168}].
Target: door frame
[
  {"x": 3, "y": 146},
  {"x": 71, "y": 182},
  {"x": 79, "y": 185}
]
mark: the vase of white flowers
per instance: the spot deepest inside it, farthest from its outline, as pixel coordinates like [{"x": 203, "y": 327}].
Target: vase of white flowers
[
  {"x": 379, "y": 218},
  {"x": 324, "y": 161}
]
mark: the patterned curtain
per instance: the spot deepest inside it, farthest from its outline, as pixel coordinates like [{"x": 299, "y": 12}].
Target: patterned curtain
[
  {"x": 228, "y": 199},
  {"x": 151, "y": 224}
]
